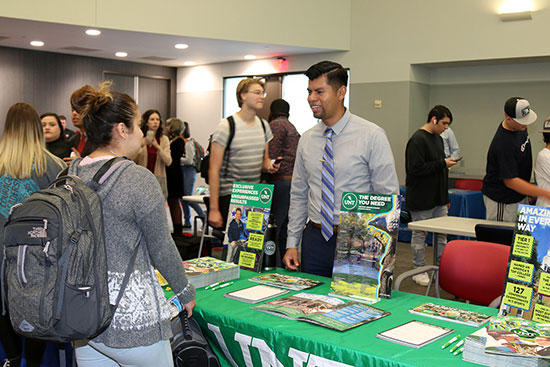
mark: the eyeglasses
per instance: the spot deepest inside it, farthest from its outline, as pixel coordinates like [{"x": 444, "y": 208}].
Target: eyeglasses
[{"x": 258, "y": 93}]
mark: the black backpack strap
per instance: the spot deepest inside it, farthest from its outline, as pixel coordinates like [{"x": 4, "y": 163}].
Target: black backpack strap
[
  {"x": 225, "y": 162},
  {"x": 129, "y": 271},
  {"x": 106, "y": 168}
]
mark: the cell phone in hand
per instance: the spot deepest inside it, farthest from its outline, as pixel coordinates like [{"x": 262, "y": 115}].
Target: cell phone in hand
[
  {"x": 458, "y": 159},
  {"x": 278, "y": 160}
]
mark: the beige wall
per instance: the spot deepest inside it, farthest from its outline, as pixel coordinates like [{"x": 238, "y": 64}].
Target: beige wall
[{"x": 286, "y": 22}]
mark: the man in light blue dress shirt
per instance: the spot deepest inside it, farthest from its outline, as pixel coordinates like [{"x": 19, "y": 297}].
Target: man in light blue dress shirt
[{"x": 363, "y": 162}]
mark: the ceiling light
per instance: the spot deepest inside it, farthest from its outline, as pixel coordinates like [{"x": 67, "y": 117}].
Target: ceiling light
[
  {"x": 93, "y": 32},
  {"x": 181, "y": 46},
  {"x": 189, "y": 63},
  {"x": 37, "y": 43},
  {"x": 121, "y": 54},
  {"x": 250, "y": 57},
  {"x": 515, "y": 6}
]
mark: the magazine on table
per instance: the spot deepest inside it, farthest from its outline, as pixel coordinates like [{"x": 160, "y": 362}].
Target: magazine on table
[
  {"x": 452, "y": 314},
  {"x": 526, "y": 291},
  {"x": 285, "y": 281},
  {"x": 330, "y": 312},
  {"x": 365, "y": 247}
]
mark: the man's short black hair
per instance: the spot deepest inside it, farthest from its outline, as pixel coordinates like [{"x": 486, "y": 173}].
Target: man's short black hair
[
  {"x": 546, "y": 137},
  {"x": 440, "y": 112},
  {"x": 238, "y": 210},
  {"x": 335, "y": 73}
]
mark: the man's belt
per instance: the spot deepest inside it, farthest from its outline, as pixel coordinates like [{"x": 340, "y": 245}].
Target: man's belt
[{"x": 335, "y": 228}]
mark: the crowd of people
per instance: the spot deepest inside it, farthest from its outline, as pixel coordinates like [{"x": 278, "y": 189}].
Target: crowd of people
[{"x": 342, "y": 153}]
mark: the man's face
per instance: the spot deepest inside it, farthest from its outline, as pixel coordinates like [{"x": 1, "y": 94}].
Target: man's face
[
  {"x": 516, "y": 126},
  {"x": 238, "y": 215},
  {"x": 254, "y": 98},
  {"x": 323, "y": 99},
  {"x": 442, "y": 125}
]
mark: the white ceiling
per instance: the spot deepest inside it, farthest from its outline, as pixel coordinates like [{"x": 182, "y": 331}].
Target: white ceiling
[{"x": 141, "y": 47}]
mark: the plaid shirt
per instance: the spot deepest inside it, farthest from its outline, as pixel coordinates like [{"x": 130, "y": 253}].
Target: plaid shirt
[{"x": 284, "y": 144}]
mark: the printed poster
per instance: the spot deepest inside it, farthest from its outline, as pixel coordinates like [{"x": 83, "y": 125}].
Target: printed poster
[
  {"x": 247, "y": 222},
  {"x": 526, "y": 291},
  {"x": 365, "y": 248}
]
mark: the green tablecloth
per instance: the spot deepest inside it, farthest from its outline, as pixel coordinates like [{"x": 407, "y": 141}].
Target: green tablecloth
[{"x": 254, "y": 338}]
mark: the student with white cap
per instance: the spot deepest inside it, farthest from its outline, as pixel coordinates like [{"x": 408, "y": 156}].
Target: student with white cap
[
  {"x": 542, "y": 165},
  {"x": 509, "y": 164}
]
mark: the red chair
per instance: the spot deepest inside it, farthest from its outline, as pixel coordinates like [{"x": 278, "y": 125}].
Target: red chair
[
  {"x": 472, "y": 270},
  {"x": 469, "y": 184}
]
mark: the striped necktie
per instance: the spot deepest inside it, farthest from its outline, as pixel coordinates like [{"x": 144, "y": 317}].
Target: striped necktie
[{"x": 327, "y": 188}]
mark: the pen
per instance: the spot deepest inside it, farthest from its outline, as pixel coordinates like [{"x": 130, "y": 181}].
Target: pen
[
  {"x": 458, "y": 351},
  {"x": 450, "y": 341},
  {"x": 221, "y": 286},
  {"x": 213, "y": 285},
  {"x": 457, "y": 345}
]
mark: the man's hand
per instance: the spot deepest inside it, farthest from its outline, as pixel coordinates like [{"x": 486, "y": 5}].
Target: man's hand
[
  {"x": 450, "y": 162},
  {"x": 189, "y": 307},
  {"x": 291, "y": 259},
  {"x": 215, "y": 218}
]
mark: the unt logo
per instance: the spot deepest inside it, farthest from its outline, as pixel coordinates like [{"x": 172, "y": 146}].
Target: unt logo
[
  {"x": 265, "y": 195},
  {"x": 349, "y": 201}
]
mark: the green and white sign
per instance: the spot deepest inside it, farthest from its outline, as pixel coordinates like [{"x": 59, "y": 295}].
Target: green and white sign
[{"x": 252, "y": 194}]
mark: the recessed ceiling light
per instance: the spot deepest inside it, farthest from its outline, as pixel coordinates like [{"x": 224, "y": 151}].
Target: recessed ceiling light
[
  {"x": 93, "y": 32},
  {"x": 189, "y": 63},
  {"x": 121, "y": 54},
  {"x": 250, "y": 57},
  {"x": 37, "y": 43},
  {"x": 181, "y": 46}
]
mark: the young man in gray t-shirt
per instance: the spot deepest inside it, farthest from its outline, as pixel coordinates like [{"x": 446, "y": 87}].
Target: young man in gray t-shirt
[{"x": 248, "y": 151}]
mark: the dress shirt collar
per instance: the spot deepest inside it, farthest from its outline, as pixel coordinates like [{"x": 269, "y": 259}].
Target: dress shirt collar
[{"x": 338, "y": 126}]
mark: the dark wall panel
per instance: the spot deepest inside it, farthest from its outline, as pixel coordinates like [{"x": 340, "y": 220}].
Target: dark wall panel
[{"x": 46, "y": 80}]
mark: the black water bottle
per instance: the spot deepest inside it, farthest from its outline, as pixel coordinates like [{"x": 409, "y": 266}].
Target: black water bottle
[{"x": 270, "y": 246}]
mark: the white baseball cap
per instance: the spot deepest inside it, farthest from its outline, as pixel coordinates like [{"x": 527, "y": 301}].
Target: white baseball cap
[{"x": 519, "y": 109}]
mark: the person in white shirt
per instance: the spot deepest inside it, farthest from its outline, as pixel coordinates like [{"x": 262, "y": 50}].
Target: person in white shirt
[
  {"x": 542, "y": 165},
  {"x": 450, "y": 145}
]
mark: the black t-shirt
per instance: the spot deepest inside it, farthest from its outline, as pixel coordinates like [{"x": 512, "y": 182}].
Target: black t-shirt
[
  {"x": 427, "y": 173},
  {"x": 509, "y": 156}
]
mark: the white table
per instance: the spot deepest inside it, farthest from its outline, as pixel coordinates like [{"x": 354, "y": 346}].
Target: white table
[
  {"x": 195, "y": 198},
  {"x": 452, "y": 225}
]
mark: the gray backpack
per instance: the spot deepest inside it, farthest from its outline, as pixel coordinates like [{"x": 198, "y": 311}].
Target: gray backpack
[{"x": 55, "y": 261}]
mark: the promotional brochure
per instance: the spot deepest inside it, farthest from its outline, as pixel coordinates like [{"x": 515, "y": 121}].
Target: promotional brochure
[
  {"x": 365, "y": 249},
  {"x": 452, "y": 314},
  {"x": 285, "y": 281},
  {"x": 527, "y": 289},
  {"x": 247, "y": 222},
  {"x": 330, "y": 312}
]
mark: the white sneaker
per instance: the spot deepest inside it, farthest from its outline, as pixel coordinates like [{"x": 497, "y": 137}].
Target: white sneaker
[{"x": 422, "y": 279}]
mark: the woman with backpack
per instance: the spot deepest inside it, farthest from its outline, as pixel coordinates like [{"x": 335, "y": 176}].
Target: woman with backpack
[
  {"x": 26, "y": 166},
  {"x": 133, "y": 215},
  {"x": 189, "y": 175}
]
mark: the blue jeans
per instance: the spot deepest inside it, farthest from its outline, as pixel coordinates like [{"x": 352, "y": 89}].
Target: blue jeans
[
  {"x": 92, "y": 354},
  {"x": 418, "y": 237},
  {"x": 189, "y": 177}
]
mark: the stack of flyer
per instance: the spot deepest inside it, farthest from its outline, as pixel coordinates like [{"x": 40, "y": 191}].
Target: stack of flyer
[
  {"x": 509, "y": 341},
  {"x": 208, "y": 270}
]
